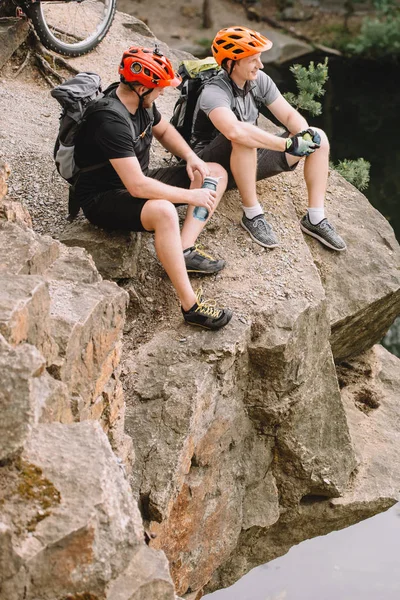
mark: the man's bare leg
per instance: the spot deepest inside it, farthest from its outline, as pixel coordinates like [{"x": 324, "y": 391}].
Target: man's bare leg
[
  {"x": 161, "y": 217},
  {"x": 316, "y": 169},
  {"x": 244, "y": 170}
]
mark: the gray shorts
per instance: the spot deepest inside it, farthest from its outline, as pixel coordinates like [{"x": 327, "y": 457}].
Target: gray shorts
[{"x": 269, "y": 162}]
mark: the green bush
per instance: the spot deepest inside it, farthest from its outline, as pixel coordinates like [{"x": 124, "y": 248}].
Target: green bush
[
  {"x": 377, "y": 39},
  {"x": 354, "y": 171}
]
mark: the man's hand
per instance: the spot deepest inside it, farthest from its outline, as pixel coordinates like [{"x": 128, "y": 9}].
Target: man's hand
[
  {"x": 303, "y": 143},
  {"x": 202, "y": 197},
  {"x": 194, "y": 163},
  {"x": 312, "y": 135}
]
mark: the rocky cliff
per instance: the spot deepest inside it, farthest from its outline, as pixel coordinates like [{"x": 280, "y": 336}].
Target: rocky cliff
[{"x": 235, "y": 445}]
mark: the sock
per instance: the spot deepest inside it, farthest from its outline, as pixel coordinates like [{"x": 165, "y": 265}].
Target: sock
[
  {"x": 188, "y": 251},
  {"x": 253, "y": 211},
  {"x": 316, "y": 215}
]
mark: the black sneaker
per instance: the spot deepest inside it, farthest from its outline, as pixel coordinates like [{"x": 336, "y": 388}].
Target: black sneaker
[
  {"x": 197, "y": 261},
  {"x": 260, "y": 231},
  {"x": 324, "y": 232},
  {"x": 206, "y": 314}
]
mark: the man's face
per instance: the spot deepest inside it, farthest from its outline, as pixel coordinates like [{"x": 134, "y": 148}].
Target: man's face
[
  {"x": 247, "y": 68},
  {"x": 149, "y": 99}
]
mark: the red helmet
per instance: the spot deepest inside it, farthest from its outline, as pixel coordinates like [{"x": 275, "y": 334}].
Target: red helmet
[
  {"x": 148, "y": 67},
  {"x": 238, "y": 42}
]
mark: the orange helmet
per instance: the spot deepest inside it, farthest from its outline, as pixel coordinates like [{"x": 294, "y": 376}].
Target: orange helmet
[
  {"x": 238, "y": 42},
  {"x": 148, "y": 67}
]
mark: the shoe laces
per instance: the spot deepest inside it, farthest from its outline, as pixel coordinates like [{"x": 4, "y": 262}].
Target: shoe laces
[
  {"x": 326, "y": 225},
  {"x": 207, "y": 307},
  {"x": 199, "y": 249},
  {"x": 261, "y": 222}
]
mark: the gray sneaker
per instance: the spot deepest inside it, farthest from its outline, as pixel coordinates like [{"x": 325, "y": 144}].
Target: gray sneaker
[
  {"x": 324, "y": 232},
  {"x": 260, "y": 231},
  {"x": 197, "y": 261}
]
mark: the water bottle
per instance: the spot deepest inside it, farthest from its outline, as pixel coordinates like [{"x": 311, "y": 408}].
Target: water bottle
[{"x": 200, "y": 212}]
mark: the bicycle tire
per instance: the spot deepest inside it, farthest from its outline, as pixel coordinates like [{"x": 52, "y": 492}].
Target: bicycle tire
[{"x": 67, "y": 42}]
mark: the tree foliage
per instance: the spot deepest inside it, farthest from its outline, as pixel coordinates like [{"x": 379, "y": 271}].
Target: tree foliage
[
  {"x": 379, "y": 36},
  {"x": 310, "y": 84}
]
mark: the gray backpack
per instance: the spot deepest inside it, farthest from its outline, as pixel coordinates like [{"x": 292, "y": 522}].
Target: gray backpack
[{"x": 80, "y": 97}]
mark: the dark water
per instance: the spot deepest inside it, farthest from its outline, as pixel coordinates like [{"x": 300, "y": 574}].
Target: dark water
[{"x": 361, "y": 115}]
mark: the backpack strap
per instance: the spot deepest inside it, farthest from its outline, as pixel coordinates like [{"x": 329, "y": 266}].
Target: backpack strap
[{"x": 255, "y": 92}]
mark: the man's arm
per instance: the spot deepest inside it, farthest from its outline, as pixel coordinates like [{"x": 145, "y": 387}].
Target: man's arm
[
  {"x": 244, "y": 133},
  {"x": 287, "y": 115},
  {"x": 140, "y": 186},
  {"x": 172, "y": 141}
]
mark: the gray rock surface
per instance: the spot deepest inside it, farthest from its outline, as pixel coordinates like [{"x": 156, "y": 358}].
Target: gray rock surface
[
  {"x": 147, "y": 576},
  {"x": 114, "y": 253},
  {"x": 19, "y": 368},
  {"x": 85, "y": 527},
  {"x": 13, "y": 33},
  {"x": 361, "y": 314},
  {"x": 370, "y": 392},
  {"x": 236, "y": 434}
]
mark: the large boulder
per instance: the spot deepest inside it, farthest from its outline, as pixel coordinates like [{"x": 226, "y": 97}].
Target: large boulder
[
  {"x": 114, "y": 253},
  {"x": 362, "y": 285},
  {"x": 70, "y": 525},
  {"x": 242, "y": 434},
  {"x": 369, "y": 388}
]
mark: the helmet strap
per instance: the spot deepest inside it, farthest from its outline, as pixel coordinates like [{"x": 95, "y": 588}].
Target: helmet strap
[
  {"x": 231, "y": 67},
  {"x": 140, "y": 96}
]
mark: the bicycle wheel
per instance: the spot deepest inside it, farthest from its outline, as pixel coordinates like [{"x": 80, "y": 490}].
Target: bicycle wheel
[{"x": 72, "y": 27}]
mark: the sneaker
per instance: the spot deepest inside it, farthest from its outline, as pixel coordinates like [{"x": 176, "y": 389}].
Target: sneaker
[
  {"x": 260, "y": 231},
  {"x": 324, "y": 232},
  {"x": 206, "y": 314},
  {"x": 197, "y": 261}
]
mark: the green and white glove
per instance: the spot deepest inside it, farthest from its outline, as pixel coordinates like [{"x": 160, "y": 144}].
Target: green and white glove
[{"x": 303, "y": 143}]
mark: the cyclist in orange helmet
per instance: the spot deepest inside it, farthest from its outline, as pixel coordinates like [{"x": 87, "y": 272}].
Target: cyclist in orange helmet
[
  {"x": 117, "y": 190},
  {"x": 225, "y": 131}
]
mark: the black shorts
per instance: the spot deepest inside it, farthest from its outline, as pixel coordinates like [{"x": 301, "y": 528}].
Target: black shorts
[
  {"x": 118, "y": 209},
  {"x": 269, "y": 162}
]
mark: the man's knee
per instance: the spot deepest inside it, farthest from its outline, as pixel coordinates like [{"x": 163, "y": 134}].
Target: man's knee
[
  {"x": 217, "y": 170},
  {"x": 324, "y": 138},
  {"x": 159, "y": 213},
  {"x": 240, "y": 148}
]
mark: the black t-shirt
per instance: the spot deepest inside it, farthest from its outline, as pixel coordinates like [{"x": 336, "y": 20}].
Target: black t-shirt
[{"x": 104, "y": 136}]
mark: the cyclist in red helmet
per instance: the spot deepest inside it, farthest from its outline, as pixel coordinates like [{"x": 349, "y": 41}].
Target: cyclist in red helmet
[
  {"x": 117, "y": 190},
  {"x": 225, "y": 131}
]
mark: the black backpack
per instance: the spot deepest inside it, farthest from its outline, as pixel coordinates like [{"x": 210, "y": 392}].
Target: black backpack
[
  {"x": 80, "y": 97},
  {"x": 195, "y": 74}
]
